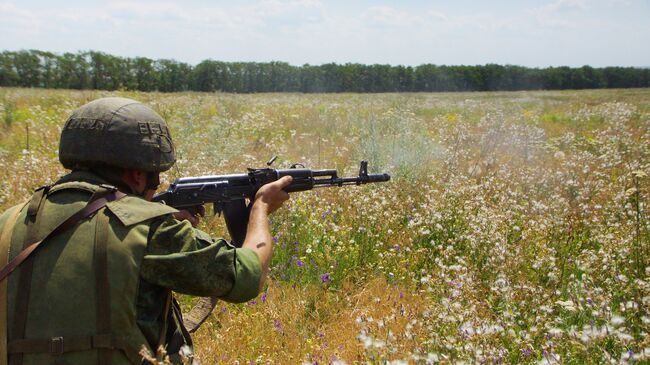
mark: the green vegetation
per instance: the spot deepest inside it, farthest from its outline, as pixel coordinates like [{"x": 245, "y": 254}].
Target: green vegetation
[
  {"x": 101, "y": 71},
  {"x": 515, "y": 229}
]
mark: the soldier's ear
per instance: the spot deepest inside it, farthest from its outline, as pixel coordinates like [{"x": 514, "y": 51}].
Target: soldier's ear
[{"x": 135, "y": 179}]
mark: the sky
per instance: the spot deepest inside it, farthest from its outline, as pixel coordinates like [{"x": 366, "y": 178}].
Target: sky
[{"x": 533, "y": 33}]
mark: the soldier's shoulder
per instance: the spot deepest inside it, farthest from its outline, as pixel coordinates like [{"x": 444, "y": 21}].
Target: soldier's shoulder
[
  {"x": 7, "y": 213},
  {"x": 133, "y": 210}
]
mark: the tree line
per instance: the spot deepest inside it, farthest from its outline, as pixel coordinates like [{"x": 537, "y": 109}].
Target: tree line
[{"x": 98, "y": 70}]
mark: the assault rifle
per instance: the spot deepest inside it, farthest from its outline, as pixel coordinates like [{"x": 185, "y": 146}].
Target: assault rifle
[{"x": 232, "y": 194}]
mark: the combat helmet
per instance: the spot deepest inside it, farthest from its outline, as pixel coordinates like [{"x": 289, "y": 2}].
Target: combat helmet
[{"x": 116, "y": 132}]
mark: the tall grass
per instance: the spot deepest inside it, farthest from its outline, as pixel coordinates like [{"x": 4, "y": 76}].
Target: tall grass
[{"x": 515, "y": 229}]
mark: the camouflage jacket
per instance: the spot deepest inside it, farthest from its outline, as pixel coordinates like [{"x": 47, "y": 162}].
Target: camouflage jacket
[{"x": 149, "y": 253}]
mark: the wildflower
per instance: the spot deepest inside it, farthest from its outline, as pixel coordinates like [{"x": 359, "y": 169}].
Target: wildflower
[
  {"x": 186, "y": 354},
  {"x": 300, "y": 263},
  {"x": 526, "y": 352},
  {"x": 567, "y": 305},
  {"x": 617, "y": 320},
  {"x": 325, "y": 278},
  {"x": 252, "y": 302},
  {"x": 263, "y": 297},
  {"x": 277, "y": 325}
]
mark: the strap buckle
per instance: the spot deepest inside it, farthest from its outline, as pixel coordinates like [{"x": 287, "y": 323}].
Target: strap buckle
[
  {"x": 56, "y": 345},
  {"x": 108, "y": 187},
  {"x": 45, "y": 188}
]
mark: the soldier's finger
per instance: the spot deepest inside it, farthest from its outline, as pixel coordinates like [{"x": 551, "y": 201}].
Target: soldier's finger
[
  {"x": 281, "y": 197},
  {"x": 284, "y": 181},
  {"x": 184, "y": 215}
]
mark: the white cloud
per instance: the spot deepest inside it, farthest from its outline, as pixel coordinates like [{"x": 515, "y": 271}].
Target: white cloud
[
  {"x": 559, "y": 13},
  {"x": 390, "y": 17},
  {"x": 301, "y": 31}
]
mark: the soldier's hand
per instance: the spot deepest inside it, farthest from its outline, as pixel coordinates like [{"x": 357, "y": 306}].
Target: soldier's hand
[
  {"x": 271, "y": 196},
  {"x": 192, "y": 215}
]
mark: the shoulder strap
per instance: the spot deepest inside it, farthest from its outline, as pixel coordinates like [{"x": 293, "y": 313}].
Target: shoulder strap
[
  {"x": 102, "y": 285},
  {"x": 21, "y": 304},
  {"x": 5, "y": 245}
]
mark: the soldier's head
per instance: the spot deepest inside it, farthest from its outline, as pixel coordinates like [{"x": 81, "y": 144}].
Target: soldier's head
[{"x": 118, "y": 138}]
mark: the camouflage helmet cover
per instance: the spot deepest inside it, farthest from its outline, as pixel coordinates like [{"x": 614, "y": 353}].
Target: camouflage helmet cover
[{"x": 116, "y": 132}]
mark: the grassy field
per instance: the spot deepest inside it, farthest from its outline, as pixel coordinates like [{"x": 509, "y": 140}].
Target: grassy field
[{"x": 515, "y": 229}]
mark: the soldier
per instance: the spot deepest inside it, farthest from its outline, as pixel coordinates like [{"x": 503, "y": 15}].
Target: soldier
[{"x": 99, "y": 288}]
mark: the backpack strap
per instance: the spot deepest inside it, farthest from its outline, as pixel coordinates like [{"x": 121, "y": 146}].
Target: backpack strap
[
  {"x": 102, "y": 285},
  {"x": 5, "y": 245},
  {"x": 25, "y": 275}
]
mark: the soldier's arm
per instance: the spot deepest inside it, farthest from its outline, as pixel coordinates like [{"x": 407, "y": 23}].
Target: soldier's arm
[
  {"x": 189, "y": 261},
  {"x": 258, "y": 235}
]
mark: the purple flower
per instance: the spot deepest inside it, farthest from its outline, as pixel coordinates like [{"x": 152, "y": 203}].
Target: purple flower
[
  {"x": 325, "y": 214},
  {"x": 401, "y": 295},
  {"x": 277, "y": 324},
  {"x": 396, "y": 248},
  {"x": 325, "y": 278},
  {"x": 264, "y": 297},
  {"x": 526, "y": 352},
  {"x": 274, "y": 238},
  {"x": 300, "y": 263},
  {"x": 252, "y": 302}
]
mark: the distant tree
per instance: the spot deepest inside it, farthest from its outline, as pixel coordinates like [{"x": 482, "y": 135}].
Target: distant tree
[
  {"x": 97, "y": 70},
  {"x": 205, "y": 76},
  {"x": 73, "y": 72},
  {"x": 28, "y": 69},
  {"x": 8, "y": 73},
  {"x": 171, "y": 76},
  {"x": 145, "y": 74}
]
